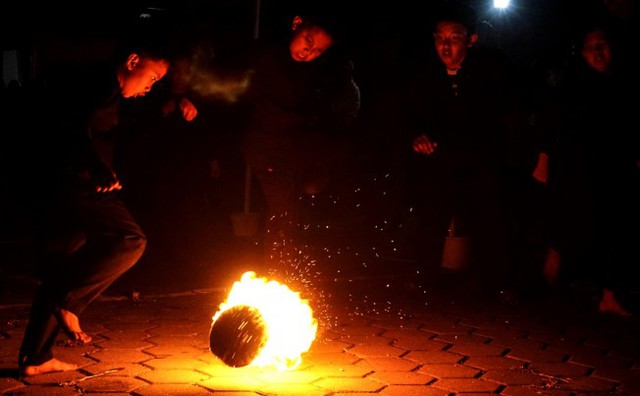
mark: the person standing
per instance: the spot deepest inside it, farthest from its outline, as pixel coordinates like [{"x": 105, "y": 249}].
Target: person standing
[
  {"x": 302, "y": 100},
  {"x": 459, "y": 105}
]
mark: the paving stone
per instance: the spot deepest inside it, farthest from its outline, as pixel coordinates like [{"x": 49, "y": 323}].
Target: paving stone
[
  {"x": 379, "y": 364},
  {"x": 494, "y": 362},
  {"x": 120, "y": 356},
  {"x": 349, "y": 385},
  {"x": 288, "y": 377},
  {"x": 449, "y": 371},
  {"x": 401, "y": 377},
  {"x": 173, "y": 376},
  {"x": 122, "y": 369},
  {"x": 465, "y": 385},
  {"x": 368, "y": 351},
  {"x": 419, "y": 344},
  {"x": 536, "y": 355},
  {"x": 110, "y": 384},
  {"x": 171, "y": 389},
  {"x": 411, "y": 390},
  {"x": 342, "y": 371},
  {"x": 166, "y": 350},
  {"x": 433, "y": 357},
  {"x": 175, "y": 362},
  {"x": 533, "y": 391},
  {"x": 515, "y": 377},
  {"x": 8, "y": 385},
  {"x": 233, "y": 384},
  {"x": 467, "y": 349},
  {"x": 588, "y": 384},
  {"x": 562, "y": 370},
  {"x": 365, "y": 340},
  {"x": 330, "y": 358},
  {"x": 462, "y": 339},
  {"x": 48, "y": 390},
  {"x": 292, "y": 390}
]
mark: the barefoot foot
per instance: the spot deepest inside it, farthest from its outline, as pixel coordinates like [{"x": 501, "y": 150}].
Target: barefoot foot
[
  {"x": 71, "y": 325},
  {"x": 50, "y": 366},
  {"x": 609, "y": 304}
]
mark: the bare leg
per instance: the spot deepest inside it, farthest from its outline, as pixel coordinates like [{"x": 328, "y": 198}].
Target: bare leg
[
  {"x": 71, "y": 325},
  {"x": 50, "y": 366},
  {"x": 552, "y": 267}
]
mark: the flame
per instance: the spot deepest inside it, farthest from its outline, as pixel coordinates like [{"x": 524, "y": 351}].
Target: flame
[{"x": 290, "y": 325}]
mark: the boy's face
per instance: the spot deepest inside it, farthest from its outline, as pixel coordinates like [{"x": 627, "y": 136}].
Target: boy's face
[
  {"x": 308, "y": 43},
  {"x": 451, "y": 42},
  {"x": 140, "y": 74},
  {"x": 596, "y": 51}
]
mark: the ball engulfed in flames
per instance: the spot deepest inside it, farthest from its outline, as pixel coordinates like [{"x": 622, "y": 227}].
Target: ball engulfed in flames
[{"x": 262, "y": 323}]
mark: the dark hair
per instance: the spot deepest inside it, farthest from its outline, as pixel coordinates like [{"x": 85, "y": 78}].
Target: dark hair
[
  {"x": 456, "y": 11},
  {"x": 146, "y": 38}
]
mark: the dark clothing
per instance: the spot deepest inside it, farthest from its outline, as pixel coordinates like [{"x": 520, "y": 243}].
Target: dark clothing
[
  {"x": 593, "y": 176},
  {"x": 467, "y": 115},
  {"x": 297, "y": 134},
  {"x": 85, "y": 239}
]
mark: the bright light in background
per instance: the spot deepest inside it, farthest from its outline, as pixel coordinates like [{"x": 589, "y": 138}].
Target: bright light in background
[{"x": 501, "y": 4}]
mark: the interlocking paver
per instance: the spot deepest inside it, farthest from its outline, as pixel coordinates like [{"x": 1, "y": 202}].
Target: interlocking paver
[
  {"x": 349, "y": 384},
  {"x": 434, "y": 349},
  {"x": 171, "y": 389},
  {"x": 401, "y": 377},
  {"x": 449, "y": 371},
  {"x": 177, "y": 376},
  {"x": 433, "y": 357},
  {"x": 466, "y": 385},
  {"x": 380, "y": 364},
  {"x": 110, "y": 384},
  {"x": 411, "y": 390}
]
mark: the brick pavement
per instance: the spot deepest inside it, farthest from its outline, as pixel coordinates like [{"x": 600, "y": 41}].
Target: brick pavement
[{"x": 396, "y": 343}]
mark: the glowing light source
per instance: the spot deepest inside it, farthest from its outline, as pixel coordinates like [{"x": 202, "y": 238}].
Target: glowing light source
[
  {"x": 502, "y": 4},
  {"x": 262, "y": 323}
]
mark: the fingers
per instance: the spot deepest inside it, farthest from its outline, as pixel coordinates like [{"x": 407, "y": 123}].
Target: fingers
[
  {"x": 111, "y": 187},
  {"x": 189, "y": 110},
  {"x": 423, "y": 145}
]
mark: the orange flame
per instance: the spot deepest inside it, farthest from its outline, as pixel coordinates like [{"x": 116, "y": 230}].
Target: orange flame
[{"x": 290, "y": 325}]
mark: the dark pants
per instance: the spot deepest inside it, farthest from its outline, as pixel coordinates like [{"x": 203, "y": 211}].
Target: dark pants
[
  {"x": 86, "y": 243},
  {"x": 461, "y": 186}
]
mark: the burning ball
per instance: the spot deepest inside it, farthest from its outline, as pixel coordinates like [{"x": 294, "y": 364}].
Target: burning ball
[{"x": 238, "y": 335}]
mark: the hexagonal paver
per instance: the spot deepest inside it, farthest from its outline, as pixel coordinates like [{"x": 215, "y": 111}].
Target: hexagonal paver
[
  {"x": 292, "y": 390},
  {"x": 175, "y": 362},
  {"x": 471, "y": 349},
  {"x": 122, "y": 369},
  {"x": 174, "y": 376},
  {"x": 412, "y": 390},
  {"x": 110, "y": 384},
  {"x": 515, "y": 377},
  {"x": 465, "y": 385},
  {"x": 379, "y": 364},
  {"x": 120, "y": 355},
  {"x": 288, "y": 377},
  {"x": 433, "y": 357},
  {"x": 171, "y": 389},
  {"x": 449, "y": 371},
  {"x": 349, "y": 385},
  {"x": 233, "y": 384},
  {"x": 368, "y": 351},
  {"x": 401, "y": 378},
  {"x": 494, "y": 362}
]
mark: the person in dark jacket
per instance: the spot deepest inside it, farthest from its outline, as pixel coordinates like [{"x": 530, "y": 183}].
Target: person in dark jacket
[
  {"x": 589, "y": 162},
  {"x": 302, "y": 101},
  {"x": 86, "y": 236},
  {"x": 459, "y": 105}
]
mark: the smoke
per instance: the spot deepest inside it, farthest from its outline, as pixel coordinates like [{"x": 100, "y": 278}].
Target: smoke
[{"x": 221, "y": 85}]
